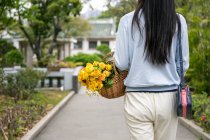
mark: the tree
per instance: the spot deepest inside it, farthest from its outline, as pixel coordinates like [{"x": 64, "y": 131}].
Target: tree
[
  {"x": 5, "y": 20},
  {"x": 5, "y": 47},
  {"x": 41, "y": 19},
  {"x": 121, "y": 8},
  {"x": 76, "y": 26},
  {"x": 60, "y": 11}
]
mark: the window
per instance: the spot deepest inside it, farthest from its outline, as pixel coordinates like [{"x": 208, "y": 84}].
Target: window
[
  {"x": 105, "y": 42},
  {"x": 92, "y": 45},
  {"x": 78, "y": 45}
]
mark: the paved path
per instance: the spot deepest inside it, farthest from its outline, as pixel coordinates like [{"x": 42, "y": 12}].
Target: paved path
[{"x": 93, "y": 118}]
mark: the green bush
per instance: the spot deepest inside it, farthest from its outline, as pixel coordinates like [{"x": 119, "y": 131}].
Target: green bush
[
  {"x": 103, "y": 49},
  {"x": 22, "y": 84},
  {"x": 201, "y": 109},
  {"x": 197, "y": 15},
  {"x": 83, "y": 58},
  {"x": 13, "y": 57},
  {"x": 5, "y": 47}
]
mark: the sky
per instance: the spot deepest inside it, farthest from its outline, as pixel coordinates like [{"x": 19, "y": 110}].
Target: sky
[
  {"x": 94, "y": 7},
  {"x": 98, "y": 5}
]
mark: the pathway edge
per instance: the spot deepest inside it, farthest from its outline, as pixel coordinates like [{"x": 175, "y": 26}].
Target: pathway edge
[
  {"x": 31, "y": 134},
  {"x": 196, "y": 130}
]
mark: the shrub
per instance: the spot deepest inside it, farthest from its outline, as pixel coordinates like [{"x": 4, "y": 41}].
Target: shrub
[
  {"x": 15, "y": 120},
  {"x": 83, "y": 58},
  {"x": 22, "y": 85},
  {"x": 198, "y": 24},
  {"x": 103, "y": 49},
  {"x": 201, "y": 110},
  {"x": 5, "y": 47},
  {"x": 13, "y": 57}
]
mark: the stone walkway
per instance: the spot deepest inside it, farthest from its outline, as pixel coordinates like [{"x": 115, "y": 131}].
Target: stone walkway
[{"x": 93, "y": 118}]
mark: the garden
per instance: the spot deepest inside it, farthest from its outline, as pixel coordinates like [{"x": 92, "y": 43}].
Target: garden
[{"x": 22, "y": 105}]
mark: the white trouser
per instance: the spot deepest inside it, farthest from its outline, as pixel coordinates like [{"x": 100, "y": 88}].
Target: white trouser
[{"x": 151, "y": 116}]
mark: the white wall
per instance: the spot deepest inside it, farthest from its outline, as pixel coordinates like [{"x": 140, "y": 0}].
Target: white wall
[{"x": 85, "y": 47}]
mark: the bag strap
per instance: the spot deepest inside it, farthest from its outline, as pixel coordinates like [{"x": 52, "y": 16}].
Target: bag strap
[{"x": 181, "y": 71}]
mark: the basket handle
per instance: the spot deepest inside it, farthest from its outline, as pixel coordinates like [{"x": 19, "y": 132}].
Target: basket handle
[{"x": 111, "y": 54}]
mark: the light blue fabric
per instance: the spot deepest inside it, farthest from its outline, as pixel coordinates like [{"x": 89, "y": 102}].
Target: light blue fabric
[{"x": 143, "y": 75}]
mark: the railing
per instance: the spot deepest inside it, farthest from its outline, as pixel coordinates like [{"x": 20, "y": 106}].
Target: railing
[{"x": 65, "y": 79}]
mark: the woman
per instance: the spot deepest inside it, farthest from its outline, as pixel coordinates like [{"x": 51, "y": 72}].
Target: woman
[{"x": 146, "y": 45}]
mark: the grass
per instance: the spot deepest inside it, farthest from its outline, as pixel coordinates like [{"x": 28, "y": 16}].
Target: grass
[{"x": 49, "y": 98}]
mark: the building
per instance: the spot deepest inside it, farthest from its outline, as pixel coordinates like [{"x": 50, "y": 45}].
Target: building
[{"x": 103, "y": 32}]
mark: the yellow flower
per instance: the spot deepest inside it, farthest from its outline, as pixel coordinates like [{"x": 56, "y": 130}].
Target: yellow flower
[
  {"x": 93, "y": 86},
  {"x": 95, "y": 63},
  {"x": 82, "y": 75},
  {"x": 102, "y": 77},
  {"x": 92, "y": 79},
  {"x": 96, "y": 73},
  {"x": 106, "y": 73},
  {"x": 79, "y": 78},
  {"x": 102, "y": 65},
  {"x": 89, "y": 69},
  {"x": 108, "y": 67},
  {"x": 89, "y": 65},
  {"x": 83, "y": 83},
  {"x": 100, "y": 86}
]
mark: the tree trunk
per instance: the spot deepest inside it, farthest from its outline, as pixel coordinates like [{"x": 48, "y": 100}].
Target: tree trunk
[
  {"x": 57, "y": 30},
  {"x": 39, "y": 58}
]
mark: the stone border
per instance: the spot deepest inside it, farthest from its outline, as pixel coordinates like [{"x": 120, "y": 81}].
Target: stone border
[
  {"x": 44, "y": 121},
  {"x": 198, "y": 131}
]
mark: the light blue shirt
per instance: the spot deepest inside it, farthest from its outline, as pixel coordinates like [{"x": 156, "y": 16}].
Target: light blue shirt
[{"x": 143, "y": 75}]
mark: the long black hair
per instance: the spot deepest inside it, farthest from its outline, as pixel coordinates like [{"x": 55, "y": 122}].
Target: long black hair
[{"x": 161, "y": 21}]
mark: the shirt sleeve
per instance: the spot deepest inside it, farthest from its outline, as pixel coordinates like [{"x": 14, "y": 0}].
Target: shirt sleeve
[
  {"x": 185, "y": 46},
  {"x": 121, "y": 49}
]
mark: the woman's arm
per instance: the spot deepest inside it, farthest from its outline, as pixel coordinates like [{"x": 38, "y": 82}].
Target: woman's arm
[{"x": 121, "y": 54}]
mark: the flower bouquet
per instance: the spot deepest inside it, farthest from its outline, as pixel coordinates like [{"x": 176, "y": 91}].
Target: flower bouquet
[{"x": 102, "y": 78}]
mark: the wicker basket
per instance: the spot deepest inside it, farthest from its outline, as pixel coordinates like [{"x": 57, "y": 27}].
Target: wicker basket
[{"x": 118, "y": 88}]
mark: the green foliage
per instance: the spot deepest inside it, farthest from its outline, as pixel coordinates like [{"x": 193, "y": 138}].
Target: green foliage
[
  {"x": 103, "y": 49},
  {"x": 76, "y": 26},
  {"x": 119, "y": 9},
  {"x": 22, "y": 84},
  {"x": 13, "y": 57},
  {"x": 84, "y": 58},
  {"x": 5, "y": 47},
  {"x": 44, "y": 19},
  {"x": 4, "y": 11},
  {"x": 201, "y": 109},
  {"x": 197, "y": 13}
]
